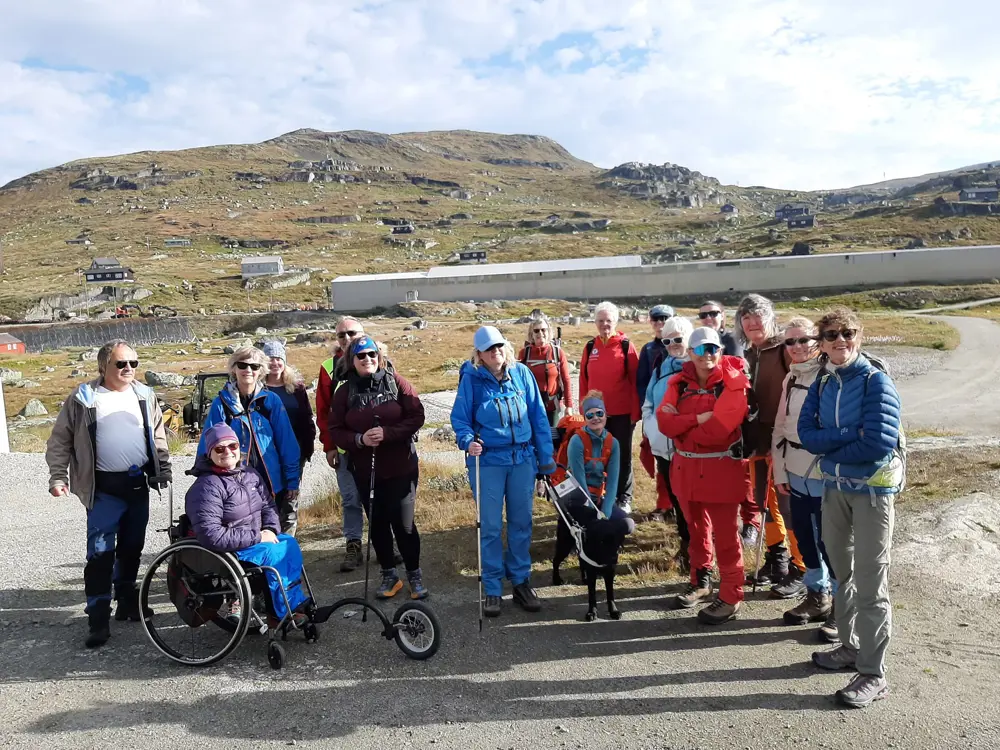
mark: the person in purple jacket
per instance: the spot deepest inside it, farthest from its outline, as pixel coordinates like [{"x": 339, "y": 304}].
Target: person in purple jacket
[{"x": 231, "y": 510}]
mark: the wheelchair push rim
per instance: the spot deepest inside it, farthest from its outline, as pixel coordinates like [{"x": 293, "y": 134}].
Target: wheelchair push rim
[{"x": 187, "y": 598}]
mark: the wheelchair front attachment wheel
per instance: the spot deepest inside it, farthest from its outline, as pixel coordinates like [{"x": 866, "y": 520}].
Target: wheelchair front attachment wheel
[
  {"x": 275, "y": 655},
  {"x": 417, "y": 631}
]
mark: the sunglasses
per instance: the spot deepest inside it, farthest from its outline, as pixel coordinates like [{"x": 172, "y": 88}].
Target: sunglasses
[
  {"x": 347, "y": 334},
  {"x": 594, "y": 414},
  {"x": 495, "y": 348},
  {"x": 659, "y": 318},
  {"x": 366, "y": 355},
  {"x": 674, "y": 340},
  {"x": 252, "y": 365},
  {"x": 227, "y": 448},
  {"x": 709, "y": 314},
  {"x": 704, "y": 349},
  {"x": 802, "y": 340},
  {"x": 847, "y": 334},
  {"x": 122, "y": 363},
  {"x": 539, "y": 330}
]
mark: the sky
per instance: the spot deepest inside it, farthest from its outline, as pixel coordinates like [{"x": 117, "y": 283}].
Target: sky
[{"x": 798, "y": 94}]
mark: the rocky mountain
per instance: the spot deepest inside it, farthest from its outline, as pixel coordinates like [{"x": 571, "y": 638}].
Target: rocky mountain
[{"x": 670, "y": 185}]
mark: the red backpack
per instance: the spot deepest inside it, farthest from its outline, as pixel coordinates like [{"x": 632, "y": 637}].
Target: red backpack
[{"x": 570, "y": 425}]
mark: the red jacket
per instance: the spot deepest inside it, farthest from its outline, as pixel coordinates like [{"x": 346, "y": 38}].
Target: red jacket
[
  {"x": 552, "y": 377},
  {"x": 707, "y": 480},
  {"x": 324, "y": 396},
  {"x": 605, "y": 372}
]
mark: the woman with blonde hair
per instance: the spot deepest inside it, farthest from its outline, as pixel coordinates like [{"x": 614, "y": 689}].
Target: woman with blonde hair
[
  {"x": 499, "y": 420},
  {"x": 547, "y": 362},
  {"x": 261, "y": 424},
  {"x": 288, "y": 383}
]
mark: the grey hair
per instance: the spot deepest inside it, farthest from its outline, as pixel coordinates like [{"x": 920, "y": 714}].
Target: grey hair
[
  {"x": 247, "y": 354},
  {"x": 756, "y": 304},
  {"x": 104, "y": 353},
  {"x": 609, "y": 307},
  {"x": 543, "y": 318}
]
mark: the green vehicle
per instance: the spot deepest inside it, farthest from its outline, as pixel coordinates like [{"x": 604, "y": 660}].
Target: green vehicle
[{"x": 206, "y": 387}]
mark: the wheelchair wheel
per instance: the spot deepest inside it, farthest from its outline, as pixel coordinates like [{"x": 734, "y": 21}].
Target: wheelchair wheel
[
  {"x": 275, "y": 655},
  {"x": 200, "y": 603},
  {"x": 418, "y": 633}
]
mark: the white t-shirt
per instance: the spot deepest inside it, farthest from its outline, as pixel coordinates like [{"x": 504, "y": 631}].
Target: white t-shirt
[{"x": 121, "y": 440}]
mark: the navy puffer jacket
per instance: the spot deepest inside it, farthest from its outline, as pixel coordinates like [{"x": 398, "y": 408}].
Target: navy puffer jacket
[
  {"x": 228, "y": 509},
  {"x": 851, "y": 420}
]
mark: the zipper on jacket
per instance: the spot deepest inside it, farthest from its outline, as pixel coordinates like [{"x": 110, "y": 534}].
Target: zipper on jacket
[{"x": 836, "y": 406}]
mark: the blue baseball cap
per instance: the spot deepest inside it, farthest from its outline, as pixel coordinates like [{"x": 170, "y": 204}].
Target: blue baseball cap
[
  {"x": 363, "y": 344},
  {"x": 665, "y": 311},
  {"x": 486, "y": 337}
]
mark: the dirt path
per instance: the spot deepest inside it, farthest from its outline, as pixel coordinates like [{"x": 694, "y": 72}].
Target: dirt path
[{"x": 961, "y": 395}]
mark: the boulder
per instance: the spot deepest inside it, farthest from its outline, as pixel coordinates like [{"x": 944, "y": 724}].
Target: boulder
[
  {"x": 77, "y": 373},
  {"x": 165, "y": 379},
  {"x": 25, "y": 383},
  {"x": 801, "y": 248},
  {"x": 8, "y": 376},
  {"x": 915, "y": 243},
  {"x": 445, "y": 433},
  {"x": 231, "y": 348},
  {"x": 89, "y": 356},
  {"x": 34, "y": 408}
]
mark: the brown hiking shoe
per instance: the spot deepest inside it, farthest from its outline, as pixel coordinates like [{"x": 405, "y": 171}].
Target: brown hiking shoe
[
  {"x": 696, "y": 593},
  {"x": 828, "y": 630},
  {"x": 718, "y": 612},
  {"x": 352, "y": 556},
  {"x": 815, "y": 607}
]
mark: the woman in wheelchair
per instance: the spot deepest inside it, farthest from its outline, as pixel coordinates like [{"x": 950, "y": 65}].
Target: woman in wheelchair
[{"x": 231, "y": 509}]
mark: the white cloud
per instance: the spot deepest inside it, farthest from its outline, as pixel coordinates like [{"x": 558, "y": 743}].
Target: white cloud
[{"x": 777, "y": 92}]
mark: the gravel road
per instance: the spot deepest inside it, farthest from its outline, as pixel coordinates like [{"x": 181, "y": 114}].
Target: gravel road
[{"x": 656, "y": 679}]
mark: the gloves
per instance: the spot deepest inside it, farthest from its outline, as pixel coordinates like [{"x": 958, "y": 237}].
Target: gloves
[{"x": 161, "y": 481}]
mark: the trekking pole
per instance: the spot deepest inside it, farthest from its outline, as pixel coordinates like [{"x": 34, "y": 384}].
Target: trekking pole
[
  {"x": 371, "y": 516},
  {"x": 479, "y": 542},
  {"x": 760, "y": 543}
]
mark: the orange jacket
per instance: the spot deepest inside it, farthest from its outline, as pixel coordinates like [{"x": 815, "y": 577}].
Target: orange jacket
[
  {"x": 707, "y": 480},
  {"x": 605, "y": 372},
  {"x": 551, "y": 376}
]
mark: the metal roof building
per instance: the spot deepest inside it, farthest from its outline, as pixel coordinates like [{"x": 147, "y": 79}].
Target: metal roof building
[{"x": 624, "y": 277}]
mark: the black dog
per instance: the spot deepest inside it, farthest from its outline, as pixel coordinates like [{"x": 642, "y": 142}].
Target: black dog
[{"x": 602, "y": 541}]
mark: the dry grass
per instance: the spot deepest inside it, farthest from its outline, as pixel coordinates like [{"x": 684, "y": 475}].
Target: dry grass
[{"x": 947, "y": 473}]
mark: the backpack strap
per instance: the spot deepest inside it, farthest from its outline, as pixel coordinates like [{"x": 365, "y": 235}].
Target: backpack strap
[
  {"x": 587, "y": 351},
  {"x": 625, "y": 344}
]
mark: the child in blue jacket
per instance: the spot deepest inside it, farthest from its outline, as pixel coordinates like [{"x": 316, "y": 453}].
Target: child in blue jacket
[{"x": 499, "y": 416}]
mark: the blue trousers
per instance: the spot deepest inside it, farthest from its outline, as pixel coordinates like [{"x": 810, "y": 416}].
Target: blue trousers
[
  {"x": 350, "y": 501},
  {"x": 116, "y": 534},
  {"x": 513, "y": 487},
  {"x": 286, "y": 558},
  {"x": 807, "y": 523}
]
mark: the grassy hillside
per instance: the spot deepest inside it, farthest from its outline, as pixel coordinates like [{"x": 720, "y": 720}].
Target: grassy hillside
[{"x": 499, "y": 181}]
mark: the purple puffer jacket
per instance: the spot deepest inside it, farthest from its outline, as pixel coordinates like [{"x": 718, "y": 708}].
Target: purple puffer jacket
[{"x": 228, "y": 509}]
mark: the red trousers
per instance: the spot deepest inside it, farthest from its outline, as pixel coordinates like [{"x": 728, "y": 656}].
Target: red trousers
[{"x": 718, "y": 523}]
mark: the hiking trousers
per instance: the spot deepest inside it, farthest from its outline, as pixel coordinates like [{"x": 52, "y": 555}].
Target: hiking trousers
[
  {"x": 663, "y": 470},
  {"x": 116, "y": 535},
  {"x": 778, "y": 509},
  {"x": 621, "y": 428},
  {"x": 807, "y": 520},
  {"x": 857, "y": 534},
  {"x": 717, "y": 523},
  {"x": 350, "y": 501},
  {"x": 391, "y": 517}
]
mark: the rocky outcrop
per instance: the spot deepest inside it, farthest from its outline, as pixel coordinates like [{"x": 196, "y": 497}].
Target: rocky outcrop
[
  {"x": 669, "y": 184},
  {"x": 526, "y": 163},
  {"x": 55, "y": 306},
  {"x": 344, "y": 219},
  {"x": 9, "y": 377},
  {"x": 152, "y": 176},
  {"x": 34, "y": 408},
  {"x": 422, "y": 181}
]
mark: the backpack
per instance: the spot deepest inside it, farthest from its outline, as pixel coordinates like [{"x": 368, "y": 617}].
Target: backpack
[
  {"x": 900, "y": 450},
  {"x": 568, "y": 427},
  {"x": 557, "y": 358},
  {"x": 585, "y": 365},
  {"x": 749, "y": 427}
]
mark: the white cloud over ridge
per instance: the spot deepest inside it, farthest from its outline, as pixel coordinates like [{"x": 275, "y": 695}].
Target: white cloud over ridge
[{"x": 778, "y": 92}]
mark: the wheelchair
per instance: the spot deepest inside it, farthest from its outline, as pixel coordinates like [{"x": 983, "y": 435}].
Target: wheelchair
[{"x": 198, "y": 605}]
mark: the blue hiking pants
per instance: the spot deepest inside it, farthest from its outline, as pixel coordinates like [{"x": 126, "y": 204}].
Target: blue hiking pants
[
  {"x": 285, "y": 557},
  {"x": 807, "y": 523},
  {"x": 350, "y": 501},
  {"x": 116, "y": 534},
  {"x": 513, "y": 486}
]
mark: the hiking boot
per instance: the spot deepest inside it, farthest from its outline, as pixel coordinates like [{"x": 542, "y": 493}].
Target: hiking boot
[
  {"x": 828, "y": 632},
  {"x": 99, "y": 623},
  {"x": 491, "y": 607},
  {"x": 416, "y": 581},
  {"x": 790, "y": 586},
  {"x": 526, "y": 597},
  {"x": 774, "y": 568},
  {"x": 842, "y": 657},
  {"x": 749, "y": 535},
  {"x": 390, "y": 585},
  {"x": 815, "y": 607},
  {"x": 718, "y": 612},
  {"x": 128, "y": 606},
  {"x": 696, "y": 593},
  {"x": 352, "y": 556},
  {"x": 863, "y": 690}
]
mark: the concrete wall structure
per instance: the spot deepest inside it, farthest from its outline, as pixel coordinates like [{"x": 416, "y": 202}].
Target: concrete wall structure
[
  {"x": 39, "y": 338},
  {"x": 595, "y": 278}
]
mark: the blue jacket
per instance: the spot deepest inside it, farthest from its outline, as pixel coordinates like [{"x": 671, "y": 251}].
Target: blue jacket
[
  {"x": 659, "y": 443},
  {"x": 267, "y": 428},
  {"x": 851, "y": 420},
  {"x": 590, "y": 473},
  {"x": 508, "y": 416},
  {"x": 650, "y": 356}
]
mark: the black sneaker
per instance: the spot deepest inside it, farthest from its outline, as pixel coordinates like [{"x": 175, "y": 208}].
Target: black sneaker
[
  {"x": 99, "y": 623},
  {"x": 128, "y": 607},
  {"x": 790, "y": 586},
  {"x": 352, "y": 556},
  {"x": 491, "y": 607},
  {"x": 774, "y": 568},
  {"x": 526, "y": 598}
]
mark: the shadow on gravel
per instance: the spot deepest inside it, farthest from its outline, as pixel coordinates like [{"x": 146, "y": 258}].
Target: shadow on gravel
[
  {"x": 35, "y": 601},
  {"x": 337, "y": 712}
]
